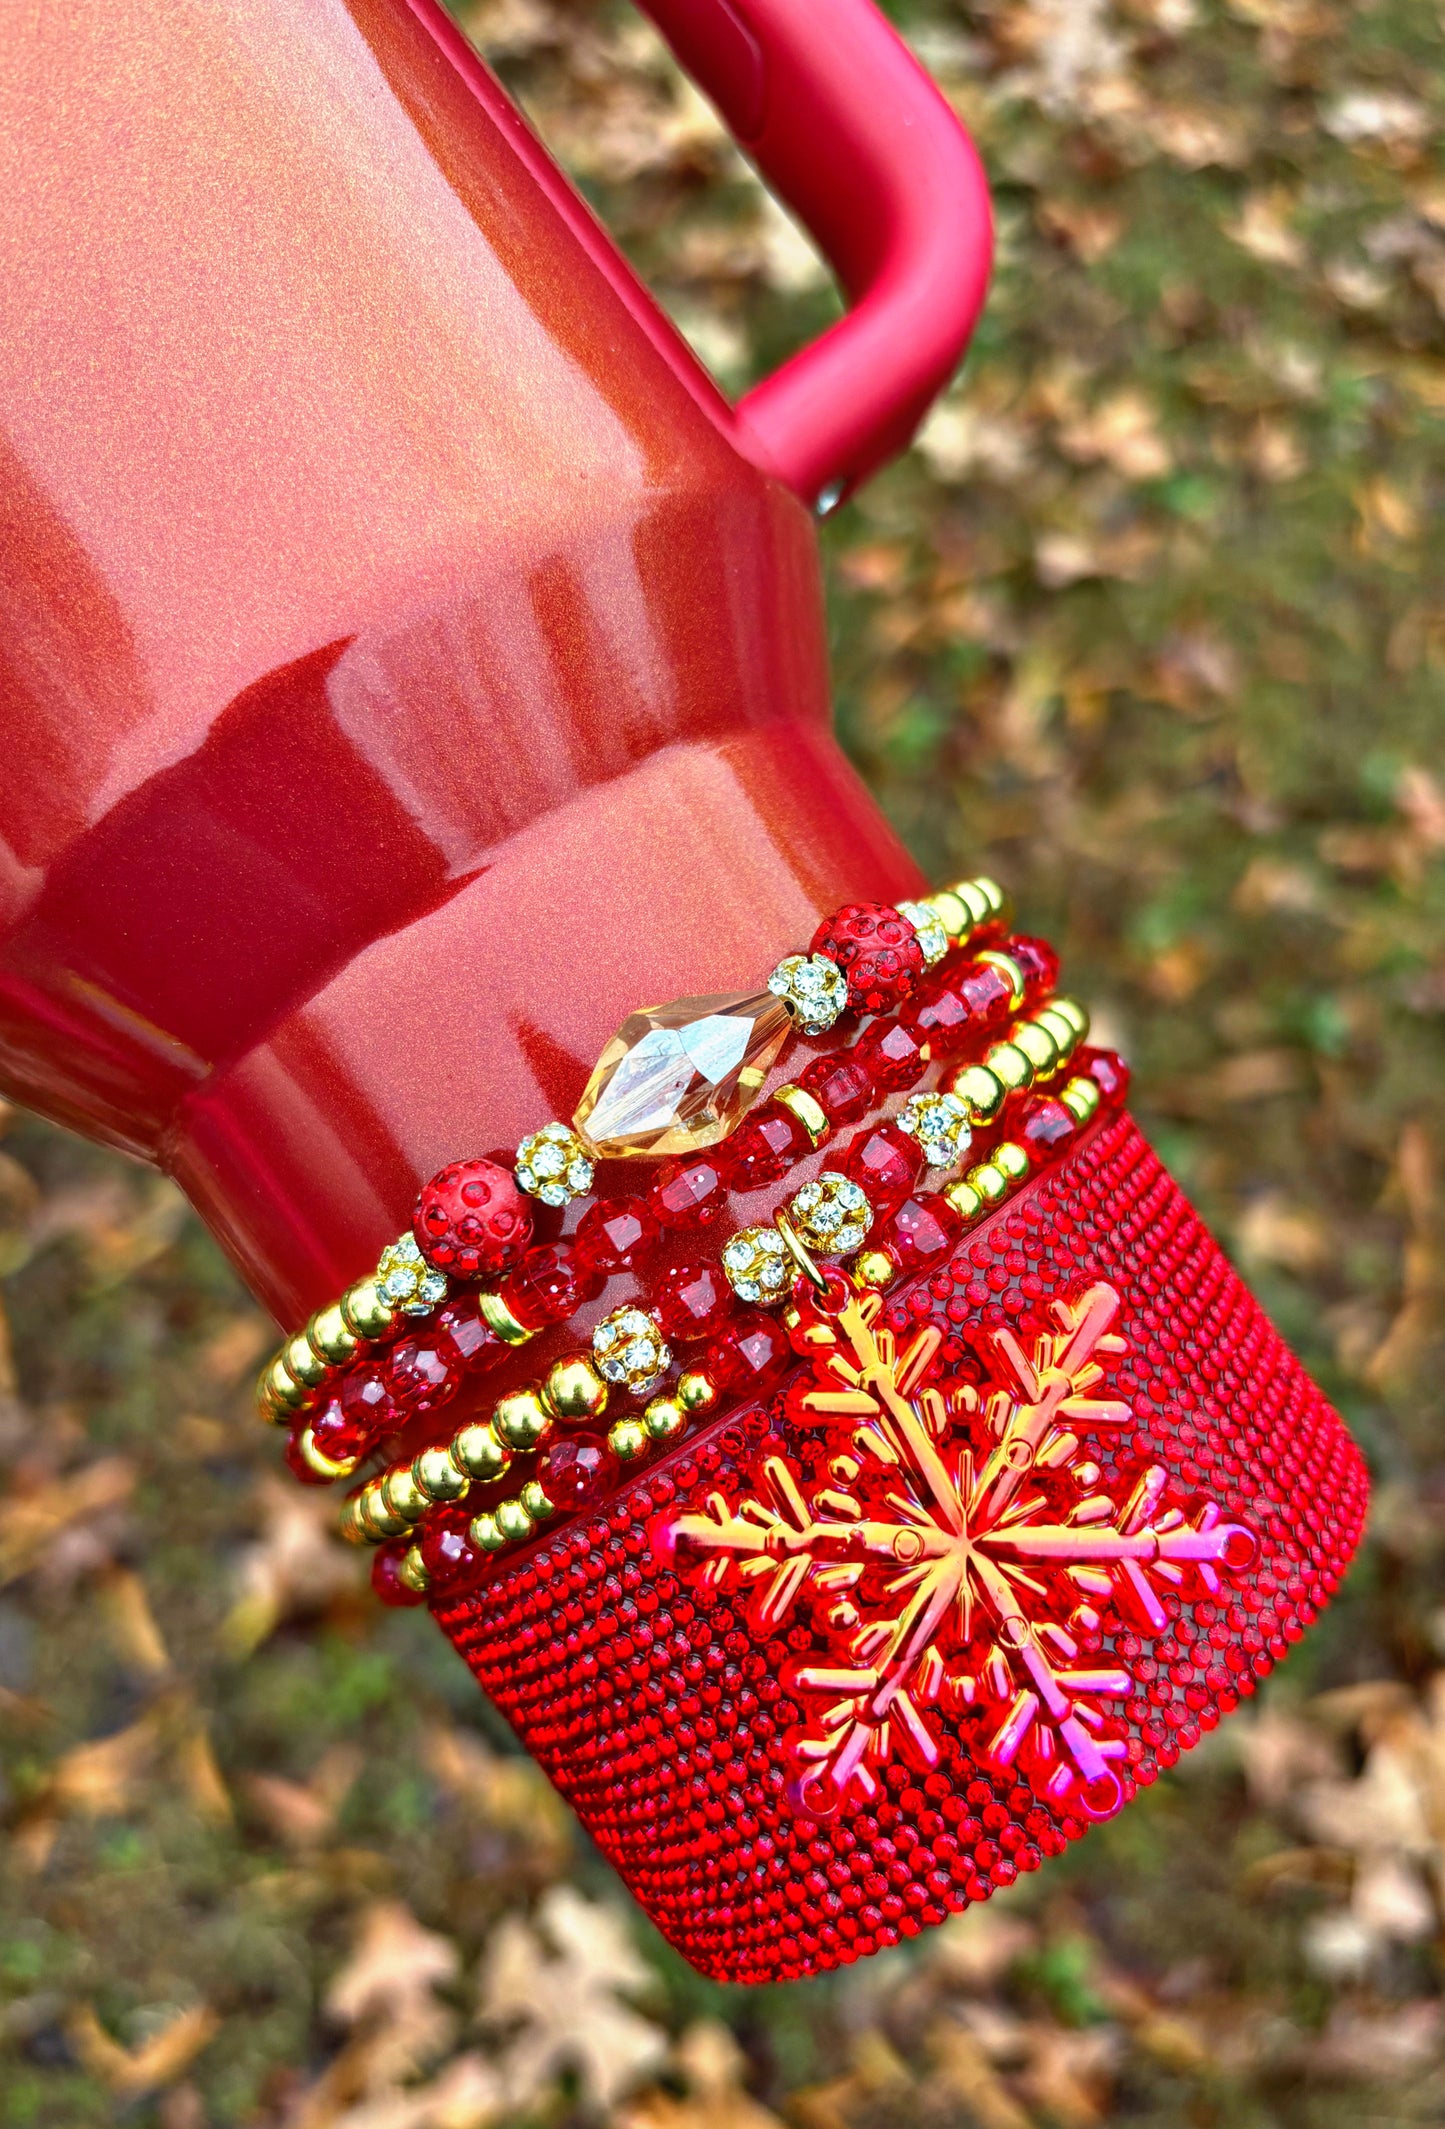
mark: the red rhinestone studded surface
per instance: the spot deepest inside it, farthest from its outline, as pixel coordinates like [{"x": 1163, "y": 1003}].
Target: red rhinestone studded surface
[{"x": 660, "y": 1715}]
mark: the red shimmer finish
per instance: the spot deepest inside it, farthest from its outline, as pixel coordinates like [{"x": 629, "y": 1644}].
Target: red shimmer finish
[
  {"x": 671, "y": 1714},
  {"x": 402, "y": 673}
]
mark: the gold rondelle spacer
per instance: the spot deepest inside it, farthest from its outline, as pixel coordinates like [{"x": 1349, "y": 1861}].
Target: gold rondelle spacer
[
  {"x": 874, "y": 1269},
  {"x": 1081, "y": 1098},
  {"x": 484, "y": 1534},
  {"x": 991, "y": 1183},
  {"x": 349, "y": 1522},
  {"x": 513, "y": 1521},
  {"x": 695, "y": 1391},
  {"x": 522, "y": 1420},
  {"x": 439, "y": 1476},
  {"x": 500, "y": 1320},
  {"x": 479, "y": 1451},
  {"x": 809, "y": 1113},
  {"x": 365, "y": 1311},
  {"x": 411, "y": 1571},
  {"x": 663, "y": 1418},
  {"x": 1009, "y": 969},
  {"x": 964, "y": 1199},
  {"x": 324, "y": 1466},
  {"x": 536, "y": 1503},
  {"x": 1011, "y": 1160},
  {"x": 627, "y": 1439},
  {"x": 980, "y": 1090},
  {"x": 575, "y": 1390}
]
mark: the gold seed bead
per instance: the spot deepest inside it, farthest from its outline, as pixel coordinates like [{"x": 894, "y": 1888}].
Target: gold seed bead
[
  {"x": 695, "y": 1391},
  {"x": 984, "y": 900},
  {"x": 365, "y": 1310},
  {"x": 980, "y": 1090},
  {"x": 1081, "y": 1098},
  {"x": 1038, "y": 1046},
  {"x": 1064, "y": 1032},
  {"x": 303, "y": 1365},
  {"x": 1011, "y": 1160},
  {"x": 513, "y": 1520},
  {"x": 439, "y": 1476},
  {"x": 500, "y": 1320},
  {"x": 663, "y": 1418},
  {"x": 800, "y": 1103},
  {"x": 484, "y": 1534},
  {"x": 411, "y": 1571},
  {"x": 991, "y": 1183},
  {"x": 401, "y": 1494},
  {"x": 997, "y": 898},
  {"x": 1007, "y": 1062},
  {"x": 268, "y": 1404},
  {"x": 479, "y": 1451},
  {"x": 353, "y": 1530},
  {"x": 382, "y": 1518},
  {"x": 1077, "y": 1015},
  {"x": 285, "y": 1391},
  {"x": 575, "y": 1390},
  {"x": 324, "y": 1466},
  {"x": 964, "y": 1199},
  {"x": 950, "y": 912},
  {"x": 1009, "y": 969},
  {"x": 875, "y": 1269},
  {"x": 329, "y": 1338},
  {"x": 522, "y": 1420},
  {"x": 627, "y": 1439},
  {"x": 536, "y": 1503}
]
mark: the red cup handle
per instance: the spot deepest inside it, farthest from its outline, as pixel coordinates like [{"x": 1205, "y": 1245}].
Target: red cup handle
[{"x": 849, "y": 130}]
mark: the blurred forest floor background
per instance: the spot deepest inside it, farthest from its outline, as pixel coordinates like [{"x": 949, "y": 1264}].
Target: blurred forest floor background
[{"x": 1152, "y": 624}]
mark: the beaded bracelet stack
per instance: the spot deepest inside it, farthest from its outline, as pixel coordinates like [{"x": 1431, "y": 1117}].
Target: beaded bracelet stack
[{"x": 936, "y": 978}]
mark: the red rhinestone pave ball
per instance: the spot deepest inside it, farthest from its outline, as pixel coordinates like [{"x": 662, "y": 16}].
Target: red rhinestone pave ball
[
  {"x": 472, "y": 1220},
  {"x": 877, "y": 950},
  {"x": 663, "y": 1716}
]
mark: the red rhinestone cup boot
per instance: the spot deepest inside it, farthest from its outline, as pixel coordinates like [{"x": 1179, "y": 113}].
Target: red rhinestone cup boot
[{"x": 951, "y": 1589}]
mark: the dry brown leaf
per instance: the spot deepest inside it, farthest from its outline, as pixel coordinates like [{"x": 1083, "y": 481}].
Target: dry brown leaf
[
  {"x": 1122, "y": 432},
  {"x": 131, "y": 1625},
  {"x": 158, "y": 2061},
  {"x": 507, "y": 1792},
  {"x": 1069, "y": 2074},
  {"x": 963, "y": 2076},
  {"x": 31, "y": 1524},
  {"x": 1263, "y": 228},
  {"x": 298, "y": 1564},
  {"x": 712, "y": 2066},
  {"x": 559, "y": 1987},
  {"x": 304, "y": 1813},
  {"x": 388, "y": 1990}
]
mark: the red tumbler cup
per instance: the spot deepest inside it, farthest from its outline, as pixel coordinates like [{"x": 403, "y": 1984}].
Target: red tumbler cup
[{"x": 410, "y": 665}]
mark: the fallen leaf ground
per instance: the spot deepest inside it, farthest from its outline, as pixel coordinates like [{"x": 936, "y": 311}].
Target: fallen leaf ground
[{"x": 1151, "y": 623}]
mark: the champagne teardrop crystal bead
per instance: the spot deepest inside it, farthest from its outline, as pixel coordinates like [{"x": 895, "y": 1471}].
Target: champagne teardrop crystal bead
[{"x": 678, "y": 1077}]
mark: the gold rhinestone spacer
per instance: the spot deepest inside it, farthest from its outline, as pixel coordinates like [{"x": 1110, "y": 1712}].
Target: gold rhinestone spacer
[
  {"x": 800, "y": 1103},
  {"x": 501, "y": 1322}
]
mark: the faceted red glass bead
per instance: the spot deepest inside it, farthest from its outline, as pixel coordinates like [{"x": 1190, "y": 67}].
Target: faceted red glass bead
[
  {"x": 988, "y": 995},
  {"x": 688, "y": 1194},
  {"x": 337, "y": 1436},
  {"x": 1046, "y": 1127},
  {"x": 472, "y": 1220},
  {"x": 750, "y": 1354},
  {"x": 367, "y": 1401},
  {"x": 1109, "y": 1073},
  {"x": 617, "y": 1233},
  {"x": 447, "y": 1552},
  {"x": 938, "y": 1015},
  {"x": 923, "y": 1229},
  {"x": 576, "y": 1473},
  {"x": 893, "y": 1053},
  {"x": 386, "y": 1580},
  {"x": 1040, "y": 965},
  {"x": 550, "y": 1284},
  {"x": 885, "y": 1161},
  {"x": 841, "y": 1086},
  {"x": 297, "y": 1465},
  {"x": 692, "y": 1301},
  {"x": 763, "y": 1149},
  {"x": 877, "y": 950},
  {"x": 461, "y": 1321},
  {"x": 422, "y": 1371}
]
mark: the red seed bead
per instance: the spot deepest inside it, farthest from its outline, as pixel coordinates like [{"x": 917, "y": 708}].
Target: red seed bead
[
  {"x": 885, "y": 1161},
  {"x": 472, "y": 1220},
  {"x": 367, "y": 1401},
  {"x": 692, "y": 1301},
  {"x": 1046, "y": 1127},
  {"x": 550, "y": 1284},
  {"x": 1109, "y": 1073},
  {"x": 1040, "y": 966},
  {"x": 688, "y": 1194},
  {"x": 841, "y": 1086},
  {"x": 763, "y": 1149},
  {"x": 447, "y": 1552},
  {"x": 386, "y": 1577},
  {"x": 923, "y": 1229},
  {"x": 616, "y": 1233},
  {"x": 576, "y": 1473},
  {"x": 877, "y": 950},
  {"x": 423, "y": 1371},
  {"x": 475, "y": 1344},
  {"x": 893, "y": 1053},
  {"x": 750, "y": 1354}
]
